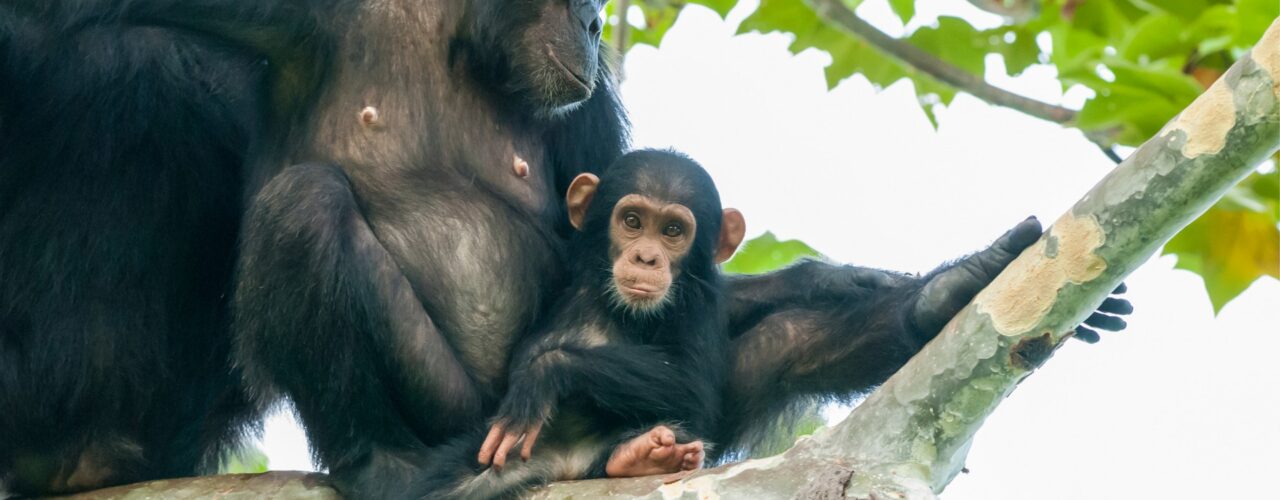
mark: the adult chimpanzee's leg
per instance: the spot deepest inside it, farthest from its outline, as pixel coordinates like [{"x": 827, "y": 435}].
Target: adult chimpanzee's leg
[{"x": 324, "y": 315}]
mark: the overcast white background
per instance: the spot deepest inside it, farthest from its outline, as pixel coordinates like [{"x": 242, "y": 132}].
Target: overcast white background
[{"x": 1181, "y": 405}]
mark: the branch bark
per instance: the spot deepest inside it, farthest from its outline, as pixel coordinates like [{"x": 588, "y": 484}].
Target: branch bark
[{"x": 910, "y": 437}]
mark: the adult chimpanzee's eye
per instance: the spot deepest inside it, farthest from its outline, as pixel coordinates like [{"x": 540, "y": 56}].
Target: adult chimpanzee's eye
[
  {"x": 673, "y": 230},
  {"x": 632, "y": 221}
]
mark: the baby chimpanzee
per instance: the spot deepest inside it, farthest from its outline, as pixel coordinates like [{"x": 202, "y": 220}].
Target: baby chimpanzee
[{"x": 626, "y": 371}]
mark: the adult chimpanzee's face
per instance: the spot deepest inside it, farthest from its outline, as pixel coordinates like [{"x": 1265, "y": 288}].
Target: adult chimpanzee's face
[
  {"x": 558, "y": 53},
  {"x": 648, "y": 239}
]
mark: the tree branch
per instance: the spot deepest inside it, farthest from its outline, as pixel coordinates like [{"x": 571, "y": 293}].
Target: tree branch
[
  {"x": 837, "y": 13},
  {"x": 623, "y": 29},
  {"x": 910, "y": 437}
]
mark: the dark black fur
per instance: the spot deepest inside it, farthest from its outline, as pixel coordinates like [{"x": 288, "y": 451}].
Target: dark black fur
[
  {"x": 384, "y": 273},
  {"x": 121, "y": 154},
  {"x": 599, "y": 373}
]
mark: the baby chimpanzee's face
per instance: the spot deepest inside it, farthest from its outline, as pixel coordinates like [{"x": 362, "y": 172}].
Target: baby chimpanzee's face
[
  {"x": 657, "y": 232},
  {"x": 648, "y": 240}
]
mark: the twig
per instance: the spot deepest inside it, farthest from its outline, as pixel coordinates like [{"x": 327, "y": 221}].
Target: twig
[
  {"x": 622, "y": 29},
  {"x": 836, "y": 12}
]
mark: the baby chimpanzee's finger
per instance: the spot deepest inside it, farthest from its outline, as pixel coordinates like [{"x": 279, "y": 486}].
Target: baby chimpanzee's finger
[
  {"x": 490, "y": 444},
  {"x": 526, "y": 451},
  {"x": 508, "y": 441}
]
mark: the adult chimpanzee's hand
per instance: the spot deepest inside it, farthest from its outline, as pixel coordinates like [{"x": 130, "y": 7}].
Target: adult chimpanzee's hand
[{"x": 951, "y": 289}]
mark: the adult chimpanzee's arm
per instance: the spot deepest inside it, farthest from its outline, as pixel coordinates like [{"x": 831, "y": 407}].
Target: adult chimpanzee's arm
[
  {"x": 834, "y": 331},
  {"x": 324, "y": 314},
  {"x": 291, "y": 34}
]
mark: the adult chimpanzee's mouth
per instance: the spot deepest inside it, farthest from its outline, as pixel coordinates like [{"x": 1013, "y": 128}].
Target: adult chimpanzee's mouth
[{"x": 576, "y": 77}]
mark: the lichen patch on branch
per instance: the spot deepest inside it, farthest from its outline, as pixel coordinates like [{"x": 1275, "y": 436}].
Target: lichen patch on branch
[
  {"x": 1267, "y": 55},
  {"x": 703, "y": 487},
  {"x": 1025, "y": 292},
  {"x": 1207, "y": 121}
]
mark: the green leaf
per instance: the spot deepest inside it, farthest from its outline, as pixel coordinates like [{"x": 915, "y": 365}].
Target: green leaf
[
  {"x": 1104, "y": 19},
  {"x": 250, "y": 460},
  {"x": 905, "y": 9},
  {"x": 721, "y": 7},
  {"x": 1255, "y": 16},
  {"x": 765, "y": 253},
  {"x": 1020, "y": 53},
  {"x": 1216, "y": 29},
  {"x": 1155, "y": 37},
  {"x": 1140, "y": 100},
  {"x": 1186, "y": 9},
  {"x": 953, "y": 40},
  {"x": 1229, "y": 249},
  {"x": 780, "y": 435}
]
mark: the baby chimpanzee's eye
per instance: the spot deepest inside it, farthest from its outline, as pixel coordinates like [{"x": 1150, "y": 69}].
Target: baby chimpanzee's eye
[
  {"x": 673, "y": 230},
  {"x": 631, "y": 220}
]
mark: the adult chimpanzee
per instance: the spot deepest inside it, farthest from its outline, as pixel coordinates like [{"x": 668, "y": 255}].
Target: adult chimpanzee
[
  {"x": 403, "y": 230},
  {"x": 633, "y": 354}
]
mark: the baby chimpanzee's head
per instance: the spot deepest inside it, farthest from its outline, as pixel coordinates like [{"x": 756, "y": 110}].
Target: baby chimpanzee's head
[{"x": 654, "y": 222}]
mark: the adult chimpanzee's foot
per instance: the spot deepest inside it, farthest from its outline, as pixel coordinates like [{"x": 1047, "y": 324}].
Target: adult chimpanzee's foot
[{"x": 654, "y": 452}]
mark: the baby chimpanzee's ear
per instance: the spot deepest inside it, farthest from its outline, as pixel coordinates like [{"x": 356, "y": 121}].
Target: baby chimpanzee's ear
[
  {"x": 581, "y": 190},
  {"x": 733, "y": 228}
]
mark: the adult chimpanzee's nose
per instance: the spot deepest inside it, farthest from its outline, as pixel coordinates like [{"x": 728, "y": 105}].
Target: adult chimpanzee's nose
[{"x": 588, "y": 12}]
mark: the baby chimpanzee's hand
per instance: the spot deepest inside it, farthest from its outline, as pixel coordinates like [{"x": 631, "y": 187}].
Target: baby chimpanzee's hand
[{"x": 504, "y": 435}]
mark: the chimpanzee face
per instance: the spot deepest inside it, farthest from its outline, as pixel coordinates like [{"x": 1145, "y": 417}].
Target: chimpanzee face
[
  {"x": 543, "y": 53},
  {"x": 558, "y": 54},
  {"x": 649, "y": 240},
  {"x": 659, "y": 229}
]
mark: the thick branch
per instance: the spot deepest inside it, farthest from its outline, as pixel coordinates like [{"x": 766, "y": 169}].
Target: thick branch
[{"x": 836, "y": 12}]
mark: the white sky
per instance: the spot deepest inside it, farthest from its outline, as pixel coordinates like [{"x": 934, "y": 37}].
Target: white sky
[{"x": 1179, "y": 406}]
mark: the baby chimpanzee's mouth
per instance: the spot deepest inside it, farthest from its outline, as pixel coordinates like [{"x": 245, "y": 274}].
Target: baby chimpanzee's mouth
[{"x": 635, "y": 290}]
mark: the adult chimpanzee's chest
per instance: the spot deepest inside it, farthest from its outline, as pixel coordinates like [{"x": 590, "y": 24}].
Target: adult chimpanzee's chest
[
  {"x": 472, "y": 232},
  {"x": 479, "y": 258},
  {"x": 440, "y": 174}
]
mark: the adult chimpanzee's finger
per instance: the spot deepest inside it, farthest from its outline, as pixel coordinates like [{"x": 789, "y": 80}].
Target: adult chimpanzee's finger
[
  {"x": 526, "y": 451},
  {"x": 1115, "y": 306},
  {"x": 490, "y": 444},
  {"x": 949, "y": 290},
  {"x": 1020, "y": 237},
  {"x": 1120, "y": 289},
  {"x": 1104, "y": 322},
  {"x": 508, "y": 441},
  {"x": 1087, "y": 335}
]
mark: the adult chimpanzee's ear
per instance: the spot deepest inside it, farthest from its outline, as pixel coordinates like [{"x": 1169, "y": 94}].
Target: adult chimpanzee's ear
[
  {"x": 733, "y": 228},
  {"x": 581, "y": 190}
]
